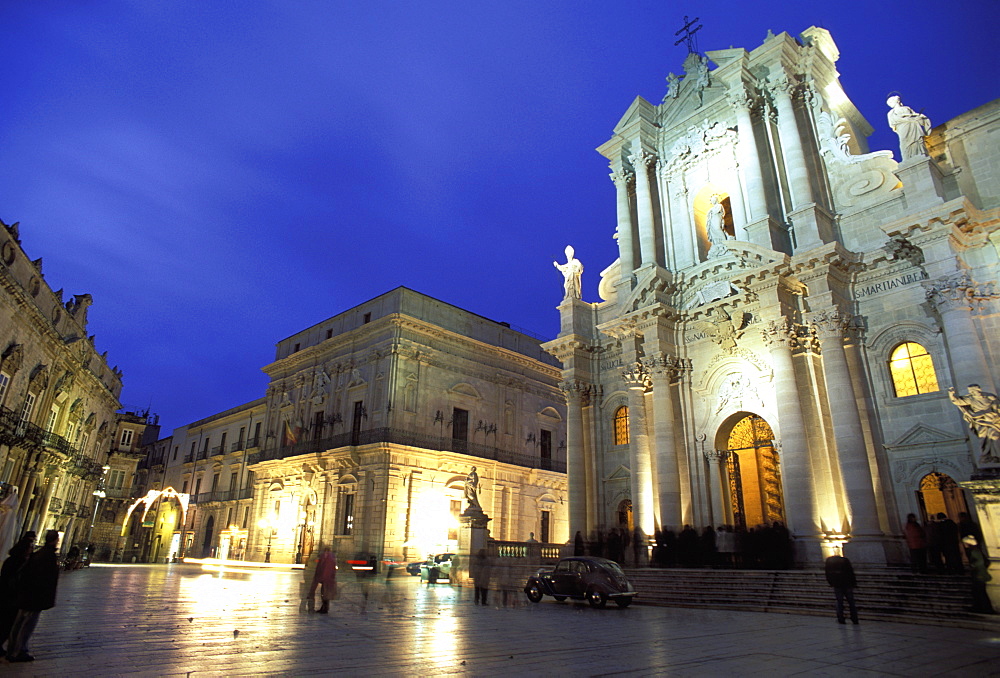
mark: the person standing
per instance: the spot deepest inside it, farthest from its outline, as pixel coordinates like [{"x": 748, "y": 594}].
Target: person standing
[
  {"x": 916, "y": 542},
  {"x": 17, "y": 557},
  {"x": 480, "y": 571},
  {"x": 979, "y": 571},
  {"x": 840, "y": 575},
  {"x": 324, "y": 578},
  {"x": 37, "y": 592}
]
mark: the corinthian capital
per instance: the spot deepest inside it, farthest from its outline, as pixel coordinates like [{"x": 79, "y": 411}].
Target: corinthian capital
[
  {"x": 642, "y": 158},
  {"x": 622, "y": 177},
  {"x": 957, "y": 291},
  {"x": 781, "y": 332},
  {"x": 782, "y": 85},
  {"x": 741, "y": 98},
  {"x": 637, "y": 377},
  {"x": 714, "y": 456},
  {"x": 831, "y": 324}
]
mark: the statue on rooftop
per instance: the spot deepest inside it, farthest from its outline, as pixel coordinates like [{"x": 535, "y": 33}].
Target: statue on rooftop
[
  {"x": 572, "y": 270},
  {"x": 911, "y": 127},
  {"x": 981, "y": 411}
]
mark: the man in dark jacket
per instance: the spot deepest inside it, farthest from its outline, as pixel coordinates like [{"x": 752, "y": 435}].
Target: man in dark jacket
[
  {"x": 36, "y": 592},
  {"x": 840, "y": 575}
]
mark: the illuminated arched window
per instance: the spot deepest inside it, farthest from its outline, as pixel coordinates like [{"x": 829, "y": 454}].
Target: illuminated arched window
[
  {"x": 621, "y": 426},
  {"x": 912, "y": 370}
]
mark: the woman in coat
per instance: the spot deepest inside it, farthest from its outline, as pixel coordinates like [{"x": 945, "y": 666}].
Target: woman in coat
[{"x": 325, "y": 578}]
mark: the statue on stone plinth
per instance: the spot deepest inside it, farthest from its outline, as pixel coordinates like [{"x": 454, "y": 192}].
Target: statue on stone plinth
[
  {"x": 572, "y": 270},
  {"x": 911, "y": 127},
  {"x": 472, "y": 492},
  {"x": 673, "y": 87},
  {"x": 981, "y": 411}
]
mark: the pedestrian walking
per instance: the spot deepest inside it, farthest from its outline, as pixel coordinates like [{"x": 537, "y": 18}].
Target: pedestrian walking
[
  {"x": 916, "y": 542},
  {"x": 324, "y": 578},
  {"x": 979, "y": 571},
  {"x": 36, "y": 592},
  {"x": 840, "y": 575},
  {"x": 16, "y": 558}
]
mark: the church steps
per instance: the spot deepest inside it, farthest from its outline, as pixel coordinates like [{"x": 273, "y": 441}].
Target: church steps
[{"x": 882, "y": 595}]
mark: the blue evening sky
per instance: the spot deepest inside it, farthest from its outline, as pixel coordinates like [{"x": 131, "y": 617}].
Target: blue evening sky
[{"x": 220, "y": 175}]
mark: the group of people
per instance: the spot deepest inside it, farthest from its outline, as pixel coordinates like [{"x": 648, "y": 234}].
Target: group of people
[
  {"x": 937, "y": 547},
  {"x": 767, "y": 546},
  {"x": 28, "y": 581}
]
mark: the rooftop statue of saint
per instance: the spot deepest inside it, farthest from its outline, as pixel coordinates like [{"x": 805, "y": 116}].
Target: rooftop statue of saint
[
  {"x": 911, "y": 127},
  {"x": 981, "y": 411},
  {"x": 572, "y": 270}
]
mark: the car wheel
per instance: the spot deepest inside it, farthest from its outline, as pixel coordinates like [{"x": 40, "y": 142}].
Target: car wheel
[
  {"x": 596, "y": 598},
  {"x": 623, "y": 602},
  {"x": 559, "y": 598},
  {"x": 534, "y": 593}
]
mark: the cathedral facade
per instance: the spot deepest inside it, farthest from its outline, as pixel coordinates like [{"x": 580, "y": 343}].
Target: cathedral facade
[{"x": 779, "y": 337}]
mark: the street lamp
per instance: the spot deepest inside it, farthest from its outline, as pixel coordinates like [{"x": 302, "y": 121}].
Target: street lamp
[
  {"x": 99, "y": 494},
  {"x": 267, "y": 523}
]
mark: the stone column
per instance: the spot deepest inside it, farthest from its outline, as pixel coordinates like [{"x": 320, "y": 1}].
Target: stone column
[
  {"x": 741, "y": 100},
  {"x": 865, "y": 545},
  {"x": 39, "y": 521},
  {"x": 623, "y": 180},
  {"x": 642, "y": 161},
  {"x": 716, "y": 490},
  {"x": 638, "y": 382},
  {"x": 668, "y": 477},
  {"x": 576, "y": 470},
  {"x": 796, "y": 464},
  {"x": 953, "y": 297},
  {"x": 791, "y": 143}
]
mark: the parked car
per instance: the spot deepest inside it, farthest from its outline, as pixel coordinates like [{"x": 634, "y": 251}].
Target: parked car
[
  {"x": 596, "y": 580},
  {"x": 441, "y": 562},
  {"x": 414, "y": 568}
]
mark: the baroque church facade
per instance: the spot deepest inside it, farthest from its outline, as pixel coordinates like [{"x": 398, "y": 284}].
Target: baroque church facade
[
  {"x": 373, "y": 423},
  {"x": 778, "y": 338}
]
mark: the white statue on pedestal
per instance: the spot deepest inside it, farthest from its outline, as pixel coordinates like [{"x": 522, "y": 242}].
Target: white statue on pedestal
[
  {"x": 981, "y": 411},
  {"x": 715, "y": 221},
  {"x": 911, "y": 127},
  {"x": 572, "y": 270}
]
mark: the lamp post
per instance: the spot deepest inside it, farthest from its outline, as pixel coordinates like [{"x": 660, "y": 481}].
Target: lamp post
[
  {"x": 99, "y": 494},
  {"x": 267, "y": 523}
]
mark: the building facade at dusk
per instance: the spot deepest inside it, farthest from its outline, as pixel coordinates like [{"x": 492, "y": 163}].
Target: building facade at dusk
[
  {"x": 58, "y": 402},
  {"x": 777, "y": 340},
  {"x": 370, "y": 427}
]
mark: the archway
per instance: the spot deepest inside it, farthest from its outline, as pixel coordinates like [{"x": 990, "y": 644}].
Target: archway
[
  {"x": 754, "y": 473},
  {"x": 939, "y": 493}
]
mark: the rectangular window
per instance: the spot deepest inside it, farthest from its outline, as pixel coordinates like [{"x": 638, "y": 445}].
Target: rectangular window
[
  {"x": 544, "y": 531},
  {"x": 4, "y": 384},
  {"x": 256, "y": 435},
  {"x": 233, "y": 479},
  {"x": 28, "y": 408},
  {"x": 176, "y": 447},
  {"x": 197, "y": 487},
  {"x": 246, "y": 517},
  {"x": 545, "y": 446},
  {"x": 222, "y": 443},
  {"x": 329, "y": 334},
  {"x": 116, "y": 479},
  {"x": 184, "y": 488},
  {"x": 459, "y": 429},
  {"x": 368, "y": 318},
  {"x": 50, "y": 425},
  {"x": 359, "y": 413},
  {"x": 317, "y": 426},
  {"x": 205, "y": 448},
  {"x": 229, "y": 517},
  {"x": 243, "y": 433},
  {"x": 194, "y": 448},
  {"x": 215, "y": 483},
  {"x": 84, "y": 438},
  {"x": 347, "y": 513}
]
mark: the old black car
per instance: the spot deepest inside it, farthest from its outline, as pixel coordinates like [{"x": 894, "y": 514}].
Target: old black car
[{"x": 596, "y": 580}]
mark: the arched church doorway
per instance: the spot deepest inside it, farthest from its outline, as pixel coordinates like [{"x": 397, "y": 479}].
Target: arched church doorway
[
  {"x": 754, "y": 473},
  {"x": 625, "y": 515},
  {"x": 939, "y": 493},
  {"x": 206, "y": 546}
]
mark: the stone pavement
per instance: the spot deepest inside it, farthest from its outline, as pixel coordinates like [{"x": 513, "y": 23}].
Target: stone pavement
[{"x": 179, "y": 620}]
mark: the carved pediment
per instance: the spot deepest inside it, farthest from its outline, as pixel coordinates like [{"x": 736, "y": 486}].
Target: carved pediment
[
  {"x": 620, "y": 473},
  {"x": 921, "y": 435},
  {"x": 640, "y": 110}
]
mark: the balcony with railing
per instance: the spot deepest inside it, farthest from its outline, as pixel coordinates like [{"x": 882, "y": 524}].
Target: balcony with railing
[
  {"x": 223, "y": 495},
  {"x": 217, "y": 450},
  {"x": 69, "y": 508},
  {"x": 55, "y": 506},
  {"x": 411, "y": 439}
]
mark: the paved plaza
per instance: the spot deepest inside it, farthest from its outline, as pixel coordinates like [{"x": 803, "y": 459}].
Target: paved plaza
[{"x": 182, "y": 620}]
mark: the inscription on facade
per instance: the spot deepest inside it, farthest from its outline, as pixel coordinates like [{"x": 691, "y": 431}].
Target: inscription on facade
[
  {"x": 612, "y": 364},
  {"x": 892, "y": 283}
]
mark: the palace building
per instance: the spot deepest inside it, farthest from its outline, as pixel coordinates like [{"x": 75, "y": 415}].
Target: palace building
[
  {"x": 371, "y": 424},
  {"x": 778, "y": 337}
]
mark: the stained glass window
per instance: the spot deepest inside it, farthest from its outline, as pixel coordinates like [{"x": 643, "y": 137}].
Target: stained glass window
[
  {"x": 912, "y": 370},
  {"x": 621, "y": 426}
]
